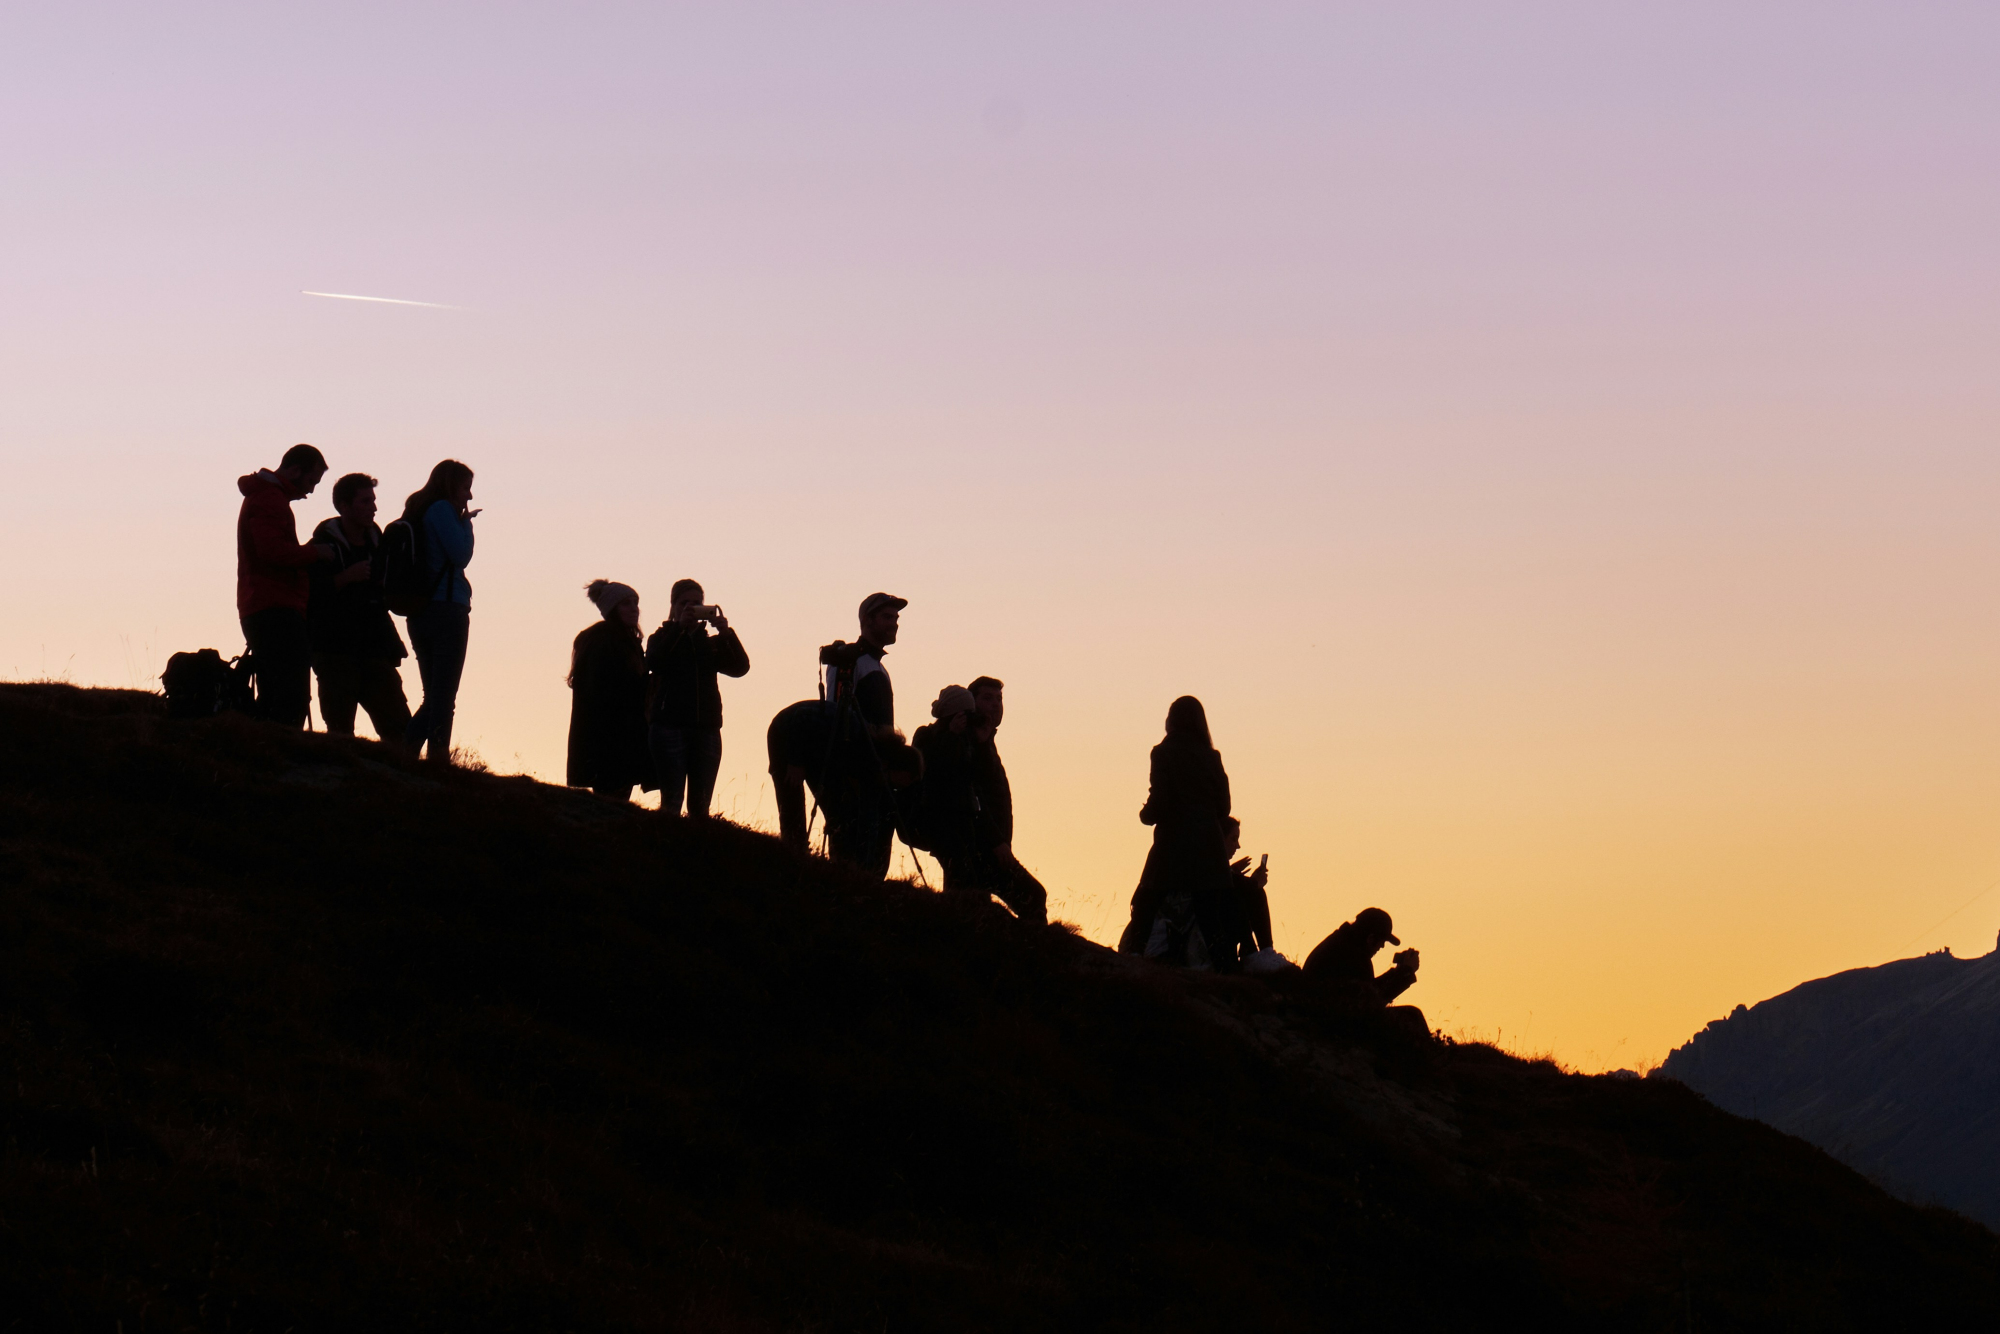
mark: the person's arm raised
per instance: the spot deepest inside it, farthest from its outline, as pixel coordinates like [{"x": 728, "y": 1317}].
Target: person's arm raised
[{"x": 730, "y": 659}]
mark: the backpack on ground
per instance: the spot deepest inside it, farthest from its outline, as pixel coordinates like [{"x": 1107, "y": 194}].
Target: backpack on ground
[
  {"x": 201, "y": 684},
  {"x": 407, "y": 586}
]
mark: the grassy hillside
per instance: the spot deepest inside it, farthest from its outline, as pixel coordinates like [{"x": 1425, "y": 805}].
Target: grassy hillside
[{"x": 297, "y": 1035}]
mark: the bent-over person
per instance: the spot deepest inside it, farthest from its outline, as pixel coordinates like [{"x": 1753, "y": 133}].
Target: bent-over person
[{"x": 1345, "y": 960}]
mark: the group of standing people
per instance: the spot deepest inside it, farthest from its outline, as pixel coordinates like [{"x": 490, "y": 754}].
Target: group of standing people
[
  {"x": 651, "y": 717},
  {"x": 647, "y": 713},
  {"x": 322, "y": 608}
]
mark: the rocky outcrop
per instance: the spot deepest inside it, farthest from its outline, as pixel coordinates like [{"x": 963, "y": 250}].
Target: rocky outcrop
[{"x": 1894, "y": 1069}]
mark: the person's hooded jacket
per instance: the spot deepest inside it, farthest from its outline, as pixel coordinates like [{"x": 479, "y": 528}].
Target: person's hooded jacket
[{"x": 271, "y": 566}]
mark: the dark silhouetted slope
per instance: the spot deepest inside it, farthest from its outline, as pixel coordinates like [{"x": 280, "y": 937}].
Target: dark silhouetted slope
[
  {"x": 1895, "y": 1070},
  {"x": 297, "y": 1035}
]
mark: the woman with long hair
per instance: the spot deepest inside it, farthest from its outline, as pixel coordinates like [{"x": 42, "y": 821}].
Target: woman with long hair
[
  {"x": 1186, "y": 806},
  {"x": 607, "y": 715},
  {"x": 442, "y": 515}
]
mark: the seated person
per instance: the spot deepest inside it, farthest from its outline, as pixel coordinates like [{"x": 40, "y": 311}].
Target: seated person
[
  {"x": 1347, "y": 956},
  {"x": 1236, "y": 914}
]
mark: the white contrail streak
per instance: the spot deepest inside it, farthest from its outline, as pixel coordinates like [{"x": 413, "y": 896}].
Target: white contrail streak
[{"x": 386, "y": 300}]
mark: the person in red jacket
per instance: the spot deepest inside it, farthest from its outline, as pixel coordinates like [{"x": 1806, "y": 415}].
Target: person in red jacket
[{"x": 272, "y": 583}]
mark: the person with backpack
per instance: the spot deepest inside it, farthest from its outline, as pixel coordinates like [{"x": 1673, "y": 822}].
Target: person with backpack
[
  {"x": 355, "y": 647},
  {"x": 1186, "y": 804},
  {"x": 685, "y": 659},
  {"x": 861, "y": 804},
  {"x": 607, "y": 678},
  {"x": 272, "y": 584},
  {"x": 427, "y": 568}
]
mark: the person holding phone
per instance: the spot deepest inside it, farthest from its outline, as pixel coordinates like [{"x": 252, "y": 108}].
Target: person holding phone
[
  {"x": 441, "y": 512},
  {"x": 693, "y": 646},
  {"x": 1235, "y": 913}
]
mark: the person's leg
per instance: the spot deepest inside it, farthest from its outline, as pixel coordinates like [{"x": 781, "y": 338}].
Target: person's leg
[
  {"x": 614, "y": 793},
  {"x": 282, "y": 650},
  {"x": 440, "y": 633},
  {"x": 670, "y": 765},
  {"x": 457, "y": 636},
  {"x": 790, "y": 784},
  {"x": 1023, "y": 893},
  {"x": 704, "y": 761},
  {"x": 381, "y": 694},
  {"x": 339, "y": 687},
  {"x": 861, "y": 838}
]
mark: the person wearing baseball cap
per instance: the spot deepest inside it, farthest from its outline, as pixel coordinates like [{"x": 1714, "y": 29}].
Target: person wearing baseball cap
[
  {"x": 862, "y": 830},
  {"x": 1348, "y": 956}
]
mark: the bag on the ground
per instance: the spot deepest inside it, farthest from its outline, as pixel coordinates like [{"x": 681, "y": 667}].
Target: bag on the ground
[
  {"x": 1265, "y": 962},
  {"x": 407, "y": 587},
  {"x": 201, "y": 684}
]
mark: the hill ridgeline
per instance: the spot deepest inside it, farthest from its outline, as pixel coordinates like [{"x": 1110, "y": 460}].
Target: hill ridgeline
[{"x": 1891, "y": 1069}]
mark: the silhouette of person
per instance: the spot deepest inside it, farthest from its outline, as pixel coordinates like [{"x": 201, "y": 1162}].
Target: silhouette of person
[
  {"x": 273, "y": 588},
  {"x": 355, "y": 647},
  {"x": 1186, "y": 804},
  {"x": 441, "y": 514},
  {"x": 607, "y": 681},
  {"x": 950, "y": 805},
  {"x": 861, "y": 819},
  {"x": 1236, "y": 914},
  {"x": 1347, "y": 956},
  {"x": 686, "y": 734},
  {"x": 1013, "y": 883}
]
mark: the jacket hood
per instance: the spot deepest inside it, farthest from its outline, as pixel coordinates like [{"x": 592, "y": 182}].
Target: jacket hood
[{"x": 265, "y": 480}]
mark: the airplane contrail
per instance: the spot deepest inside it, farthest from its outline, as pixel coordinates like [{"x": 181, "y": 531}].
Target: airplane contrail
[{"x": 387, "y": 300}]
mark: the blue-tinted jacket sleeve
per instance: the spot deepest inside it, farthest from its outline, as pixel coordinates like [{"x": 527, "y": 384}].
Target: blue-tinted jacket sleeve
[{"x": 449, "y": 540}]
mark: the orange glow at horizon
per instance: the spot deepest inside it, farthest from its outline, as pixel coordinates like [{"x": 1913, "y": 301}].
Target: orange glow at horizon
[{"x": 1558, "y": 450}]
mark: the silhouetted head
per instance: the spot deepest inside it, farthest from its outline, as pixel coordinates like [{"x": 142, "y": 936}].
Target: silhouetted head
[
  {"x": 1375, "y": 928},
  {"x": 880, "y": 613},
  {"x": 616, "y": 602},
  {"x": 354, "y": 497},
  {"x": 987, "y": 691},
  {"x": 955, "y": 707},
  {"x": 684, "y": 600},
  {"x": 1187, "y": 722},
  {"x": 301, "y": 468},
  {"x": 450, "y": 480},
  {"x": 1232, "y": 835}
]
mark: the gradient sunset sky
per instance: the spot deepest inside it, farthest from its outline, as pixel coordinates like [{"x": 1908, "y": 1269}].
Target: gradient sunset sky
[{"x": 1555, "y": 440}]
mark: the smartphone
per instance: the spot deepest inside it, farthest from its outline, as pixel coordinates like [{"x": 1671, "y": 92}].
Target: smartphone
[
  {"x": 707, "y": 613},
  {"x": 1263, "y": 861}
]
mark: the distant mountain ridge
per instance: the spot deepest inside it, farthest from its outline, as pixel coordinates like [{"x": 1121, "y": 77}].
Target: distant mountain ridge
[{"x": 1894, "y": 1069}]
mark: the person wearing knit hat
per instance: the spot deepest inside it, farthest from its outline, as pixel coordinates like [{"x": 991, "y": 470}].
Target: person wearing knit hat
[
  {"x": 609, "y": 595},
  {"x": 953, "y": 700},
  {"x": 607, "y": 677}
]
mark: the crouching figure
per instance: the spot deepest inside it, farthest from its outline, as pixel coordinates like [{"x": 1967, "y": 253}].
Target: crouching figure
[{"x": 1345, "y": 959}]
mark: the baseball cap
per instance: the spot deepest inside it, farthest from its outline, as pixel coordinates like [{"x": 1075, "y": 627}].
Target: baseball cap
[
  {"x": 1378, "y": 920},
  {"x": 875, "y": 602}
]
